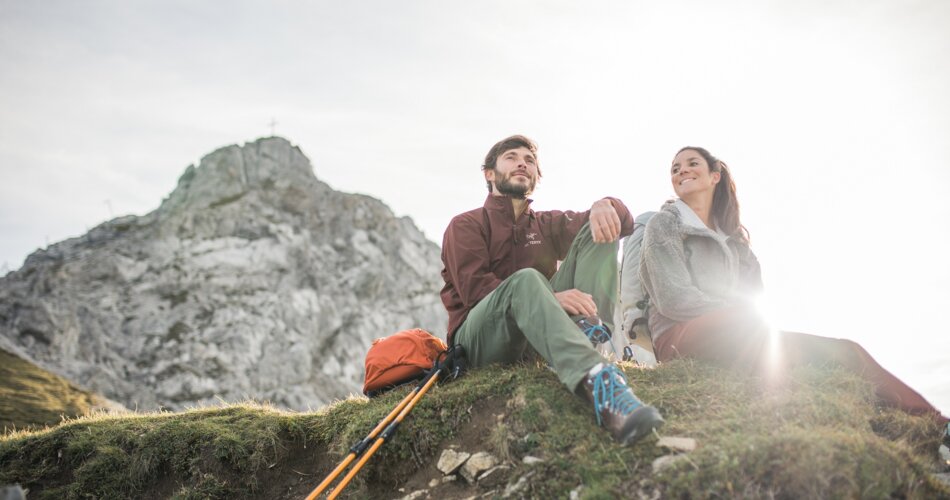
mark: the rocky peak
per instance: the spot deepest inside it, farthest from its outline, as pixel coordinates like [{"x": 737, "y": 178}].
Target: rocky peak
[
  {"x": 231, "y": 172},
  {"x": 252, "y": 279}
]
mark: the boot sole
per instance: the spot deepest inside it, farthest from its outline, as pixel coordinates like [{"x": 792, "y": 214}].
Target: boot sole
[{"x": 644, "y": 420}]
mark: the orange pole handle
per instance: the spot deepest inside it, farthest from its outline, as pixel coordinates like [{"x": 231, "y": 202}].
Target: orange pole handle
[
  {"x": 379, "y": 442},
  {"x": 349, "y": 459},
  {"x": 331, "y": 477},
  {"x": 356, "y": 468}
]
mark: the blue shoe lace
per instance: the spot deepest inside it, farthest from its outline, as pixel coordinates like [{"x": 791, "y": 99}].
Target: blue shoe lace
[
  {"x": 611, "y": 391},
  {"x": 597, "y": 334}
]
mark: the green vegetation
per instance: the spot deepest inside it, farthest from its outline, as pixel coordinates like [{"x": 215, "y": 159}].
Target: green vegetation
[
  {"x": 31, "y": 397},
  {"x": 814, "y": 435}
]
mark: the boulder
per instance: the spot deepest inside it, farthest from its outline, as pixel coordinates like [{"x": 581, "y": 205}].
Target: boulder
[
  {"x": 451, "y": 460},
  {"x": 477, "y": 464},
  {"x": 683, "y": 444}
]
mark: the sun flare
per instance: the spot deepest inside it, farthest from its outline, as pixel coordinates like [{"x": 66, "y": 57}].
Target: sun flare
[{"x": 766, "y": 311}]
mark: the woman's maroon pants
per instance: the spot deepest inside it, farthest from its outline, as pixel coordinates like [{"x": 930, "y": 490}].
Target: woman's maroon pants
[{"x": 741, "y": 340}]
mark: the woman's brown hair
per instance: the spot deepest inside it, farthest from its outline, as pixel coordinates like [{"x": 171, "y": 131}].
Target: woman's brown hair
[{"x": 725, "y": 205}]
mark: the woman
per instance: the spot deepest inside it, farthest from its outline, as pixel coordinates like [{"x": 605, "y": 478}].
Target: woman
[{"x": 700, "y": 274}]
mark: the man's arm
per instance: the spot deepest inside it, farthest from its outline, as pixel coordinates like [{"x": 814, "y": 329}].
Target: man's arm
[
  {"x": 466, "y": 260},
  {"x": 609, "y": 220},
  {"x": 564, "y": 226},
  {"x": 576, "y": 302}
]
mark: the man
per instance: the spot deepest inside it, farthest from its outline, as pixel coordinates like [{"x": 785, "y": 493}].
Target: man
[{"x": 505, "y": 292}]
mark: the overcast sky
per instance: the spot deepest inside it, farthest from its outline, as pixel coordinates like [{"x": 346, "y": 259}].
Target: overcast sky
[{"x": 833, "y": 115}]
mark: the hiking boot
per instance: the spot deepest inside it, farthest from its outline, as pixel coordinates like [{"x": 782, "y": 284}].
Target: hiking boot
[
  {"x": 617, "y": 409},
  {"x": 595, "y": 329}
]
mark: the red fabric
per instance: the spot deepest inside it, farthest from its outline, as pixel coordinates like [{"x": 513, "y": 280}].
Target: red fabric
[
  {"x": 483, "y": 247},
  {"x": 400, "y": 357},
  {"x": 739, "y": 340}
]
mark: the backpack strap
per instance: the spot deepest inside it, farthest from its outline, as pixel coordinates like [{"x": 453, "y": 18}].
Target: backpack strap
[
  {"x": 632, "y": 293},
  {"x": 453, "y": 361}
]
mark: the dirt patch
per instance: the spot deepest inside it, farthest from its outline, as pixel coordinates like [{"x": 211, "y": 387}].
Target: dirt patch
[
  {"x": 298, "y": 472},
  {"x": 471, "y": 436},
  {"x": 164, "y": 487},
  {"x": 295, "y": 472},
  {"x": 62, "y": 478}
]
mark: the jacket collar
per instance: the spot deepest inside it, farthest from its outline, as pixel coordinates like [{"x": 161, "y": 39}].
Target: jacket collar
[
  {"x": 503, "y": 204},
  {"x": 691, "y": 219}
]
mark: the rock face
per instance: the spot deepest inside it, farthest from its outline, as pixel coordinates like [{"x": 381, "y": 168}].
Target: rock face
[{"x": 252, "y": 279}]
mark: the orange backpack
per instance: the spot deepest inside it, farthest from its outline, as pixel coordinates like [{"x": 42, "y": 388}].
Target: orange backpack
[{"x": 400, "y": 358}]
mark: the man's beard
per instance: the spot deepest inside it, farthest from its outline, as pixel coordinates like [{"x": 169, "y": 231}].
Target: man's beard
[{"x": 516, "y": 191}]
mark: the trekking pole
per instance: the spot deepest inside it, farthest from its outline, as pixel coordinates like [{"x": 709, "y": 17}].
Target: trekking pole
[
  {"x": 390, "y": 430},
  {"x": 401, "y": 410},
  {"x": 358, "y": 448}
]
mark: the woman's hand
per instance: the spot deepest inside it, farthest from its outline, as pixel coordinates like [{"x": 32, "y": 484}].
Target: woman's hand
[
  {"x": 604, "y": 222},
  {"x": 575, "y": 302}
]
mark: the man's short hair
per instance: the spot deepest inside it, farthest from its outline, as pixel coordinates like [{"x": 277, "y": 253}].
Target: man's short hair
[{"x": 507, "y": 144}]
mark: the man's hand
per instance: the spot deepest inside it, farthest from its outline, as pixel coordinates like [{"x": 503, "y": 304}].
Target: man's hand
[
  {"x": 574, "y": 301},
  {"x": 604, "y": 222}
]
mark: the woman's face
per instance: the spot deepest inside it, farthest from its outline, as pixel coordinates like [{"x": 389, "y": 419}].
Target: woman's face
[{"x": 690, "y": 175}]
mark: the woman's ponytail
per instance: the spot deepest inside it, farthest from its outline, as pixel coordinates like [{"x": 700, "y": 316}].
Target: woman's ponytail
[{"x": 725, "y": 206}]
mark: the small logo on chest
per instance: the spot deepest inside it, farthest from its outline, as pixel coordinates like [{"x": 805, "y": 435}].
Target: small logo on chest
[{"x": 532, "y": 239}]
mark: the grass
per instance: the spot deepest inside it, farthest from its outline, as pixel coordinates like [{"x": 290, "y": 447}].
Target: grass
[
  {"x": 815, "y": 435},
  {"x": 32, "y": 398}
]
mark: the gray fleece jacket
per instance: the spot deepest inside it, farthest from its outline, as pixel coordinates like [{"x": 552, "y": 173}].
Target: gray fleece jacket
[{"x": 689, "y": 270}]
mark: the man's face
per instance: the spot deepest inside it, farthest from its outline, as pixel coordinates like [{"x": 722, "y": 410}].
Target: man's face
[{"x": 515, "y": 173}]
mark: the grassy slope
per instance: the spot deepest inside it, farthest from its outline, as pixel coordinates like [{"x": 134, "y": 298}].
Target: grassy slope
[
  {"x": 31, "y": 397},
  {"x": 815, "y": 436}
]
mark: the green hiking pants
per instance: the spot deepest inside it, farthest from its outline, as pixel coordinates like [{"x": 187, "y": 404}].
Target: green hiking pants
[{"x": 523, "y": 312}]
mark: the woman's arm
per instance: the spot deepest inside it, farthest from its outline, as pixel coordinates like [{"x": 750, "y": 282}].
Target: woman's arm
[
  {"x": 665, "y": 273},
  {"x": 750, "y": 273}
]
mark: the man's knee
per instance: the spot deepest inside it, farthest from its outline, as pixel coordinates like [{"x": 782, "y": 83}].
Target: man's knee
[{"x": 528, "y": 278}]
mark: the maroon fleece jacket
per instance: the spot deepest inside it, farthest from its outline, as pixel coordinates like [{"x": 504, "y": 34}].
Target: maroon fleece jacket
[{"x": 484, "y": 246}]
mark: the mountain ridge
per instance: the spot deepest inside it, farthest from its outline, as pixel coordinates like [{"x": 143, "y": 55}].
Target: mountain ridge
[{"x": 252, "y": 278}]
